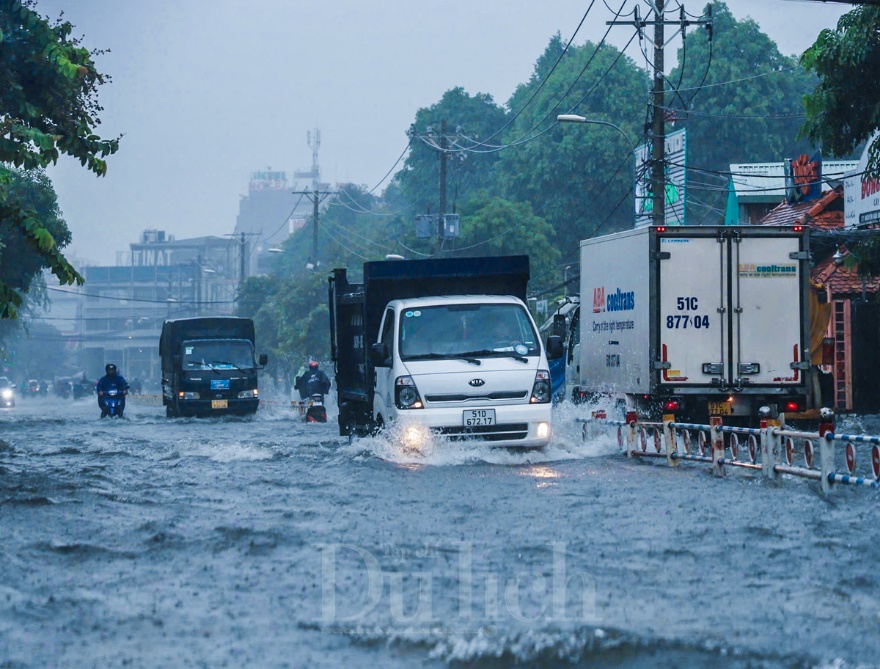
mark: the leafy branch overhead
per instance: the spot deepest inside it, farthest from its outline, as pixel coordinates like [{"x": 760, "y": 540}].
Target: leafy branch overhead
[
  {"x": 48, "y": 108},
  {"x": 844, "y": 110}
]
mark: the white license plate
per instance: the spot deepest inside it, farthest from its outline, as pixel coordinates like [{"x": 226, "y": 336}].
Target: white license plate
[
  {"x": 720, "y": 409},
  {"x": 219, "y": 404},
  {"x": 477, "y": 417}
]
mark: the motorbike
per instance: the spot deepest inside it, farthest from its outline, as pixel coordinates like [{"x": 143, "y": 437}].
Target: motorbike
[
  {"x": 315, "y": 411},
  {"x": 112, "y": 404}
]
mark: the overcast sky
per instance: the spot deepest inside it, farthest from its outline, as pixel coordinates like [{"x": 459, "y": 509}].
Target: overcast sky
[{"x": 207, "y": 91}]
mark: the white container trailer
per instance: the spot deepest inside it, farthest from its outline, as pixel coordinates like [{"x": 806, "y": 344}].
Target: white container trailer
[{"x": 695, "y": 321}]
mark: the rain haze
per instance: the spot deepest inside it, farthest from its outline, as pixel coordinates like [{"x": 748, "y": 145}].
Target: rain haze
[{"x": 206, "y": 92}]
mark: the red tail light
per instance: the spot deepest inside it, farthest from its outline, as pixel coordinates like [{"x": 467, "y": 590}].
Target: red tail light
[
  {"x": 792, "y": 406},
  {"x": 661, "y": 229},
  {"x": 798, "y": 228},
  {"x": 671, "y": 405}
]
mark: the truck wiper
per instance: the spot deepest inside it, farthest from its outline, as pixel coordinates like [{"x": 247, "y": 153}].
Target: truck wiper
[
  {"x": 467, "y": 357},
  {"x": 485, "y": 352},
  {"x": 223, "y": 362},
  {"x": 202, "y": 366}
]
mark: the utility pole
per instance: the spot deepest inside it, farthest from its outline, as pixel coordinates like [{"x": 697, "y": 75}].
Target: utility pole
[
  {"x": 658, "y": 126},
  {"x": 242, "y": 257},
  {"x": 441, "y": 221},
  {"x": 198, "y": 284},
  {"x": 658, "y": 120},
  {"x": 440, "y": 231},
  {"x": 315, "y": 197}
]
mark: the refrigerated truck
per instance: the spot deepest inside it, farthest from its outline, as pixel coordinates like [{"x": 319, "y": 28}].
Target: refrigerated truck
[{"x": 695, "y": 321}]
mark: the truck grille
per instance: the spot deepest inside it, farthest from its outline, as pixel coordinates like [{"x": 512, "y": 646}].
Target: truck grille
[
  {"x": 461, "y": 397},
  {"x": 486, "y": 432}
]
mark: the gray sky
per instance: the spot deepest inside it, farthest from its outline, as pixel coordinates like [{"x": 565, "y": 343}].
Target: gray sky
[{"x": 207, "y": 91}]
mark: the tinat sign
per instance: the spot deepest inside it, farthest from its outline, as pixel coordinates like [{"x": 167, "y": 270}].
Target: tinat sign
[{"x": 614, "y": 301}]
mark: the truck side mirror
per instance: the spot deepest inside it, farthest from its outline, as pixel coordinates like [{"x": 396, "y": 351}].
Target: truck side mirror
[
  {"x": 264, "y": 359},
  {"x": 379, "y": 355},
  {"x": 175, "y": 358},
  {"x": 555, "y": 348},
  {"x": 559, "y": 325}
]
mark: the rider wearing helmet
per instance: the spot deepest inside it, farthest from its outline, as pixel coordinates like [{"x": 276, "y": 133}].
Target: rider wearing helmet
[
  {"x": 112, "y": 379},
  {"x": 312, "y": 382}
]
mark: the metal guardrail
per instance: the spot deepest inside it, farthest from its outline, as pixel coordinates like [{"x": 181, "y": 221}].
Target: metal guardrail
[{"x": 772, "y": 449}]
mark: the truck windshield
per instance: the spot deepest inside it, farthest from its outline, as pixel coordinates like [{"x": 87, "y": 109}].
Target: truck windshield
[
  {"x": 484, "y": 330},
  {"x": 218, "y": 354}
]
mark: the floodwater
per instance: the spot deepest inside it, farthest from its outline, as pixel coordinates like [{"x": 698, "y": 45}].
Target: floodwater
[{"x": 149, "y": 542}]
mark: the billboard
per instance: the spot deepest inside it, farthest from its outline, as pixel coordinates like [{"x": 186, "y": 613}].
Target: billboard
[
  {"x": 861, "y": 195},
  {"x": 675, "y": 178},
  {"x": 803, "y": 178}
]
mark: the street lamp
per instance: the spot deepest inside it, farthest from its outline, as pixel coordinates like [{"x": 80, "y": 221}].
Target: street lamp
[
  {"x": 575, "y": 118},
  {"x": 310, "y": 264}
]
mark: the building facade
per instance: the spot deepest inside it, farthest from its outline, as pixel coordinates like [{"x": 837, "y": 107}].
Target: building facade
[{"x": 160, "y": 277}]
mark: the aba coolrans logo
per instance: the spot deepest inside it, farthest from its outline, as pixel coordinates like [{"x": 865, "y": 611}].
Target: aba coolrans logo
[
  {"x": 616, "y": 301},
  {"x": 752, "y": 270}
]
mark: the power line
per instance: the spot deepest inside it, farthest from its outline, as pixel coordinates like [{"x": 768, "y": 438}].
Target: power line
[{"x": 549, "y": 74}]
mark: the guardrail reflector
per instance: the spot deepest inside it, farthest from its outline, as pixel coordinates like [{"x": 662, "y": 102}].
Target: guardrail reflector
[{"x": 850, "y": 457}]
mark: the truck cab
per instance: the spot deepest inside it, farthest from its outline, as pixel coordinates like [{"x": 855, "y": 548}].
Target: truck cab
[
  {"x": 465, "y": 366},
  {"x": 209, "y": 367},
  {"x": 444, "y": 342}
]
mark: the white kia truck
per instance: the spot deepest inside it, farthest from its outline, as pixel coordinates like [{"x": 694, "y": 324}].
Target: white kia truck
[
  {"x": 695, "y": 321},
  {"x": 447, "y": 344}
]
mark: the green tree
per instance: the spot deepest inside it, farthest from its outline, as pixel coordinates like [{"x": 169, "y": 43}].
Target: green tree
[
  {"x": 469, "y": 165},
  {"x": 844, "y": 109},
  {"x": 576, "y": 177},
  {"x": 740, "y": 100},
  {"x": 48, "y": 108},
  {"x": 493, "y": 226},
  {"x": 21, "y": 261}
]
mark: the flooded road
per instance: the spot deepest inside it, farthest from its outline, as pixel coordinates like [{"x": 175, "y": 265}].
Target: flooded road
[{"x": 149, "y": 542}]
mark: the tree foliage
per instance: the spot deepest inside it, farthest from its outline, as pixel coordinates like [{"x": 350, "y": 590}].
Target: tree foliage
[
  {"x": 740, "y": 100},
  {"x": 469, "y": 120},
  {"x": 48, "y": 108},
  {"x": 844, "y": 109},
  {"x": 577, "y": 177},
  {"x": 21, "y": 261},
  {"x": 509, "y": 228}
]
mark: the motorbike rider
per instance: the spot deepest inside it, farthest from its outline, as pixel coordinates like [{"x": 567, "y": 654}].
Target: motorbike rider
[
  {"x": 312, "y": 382},
  {"x": 112, "y": 380}
]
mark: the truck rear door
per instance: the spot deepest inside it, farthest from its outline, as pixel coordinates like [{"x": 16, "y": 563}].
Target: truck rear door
[
  {"x": 731, "y": 308},
  {"x": 767, "y": 329},
  {"x": 693, "y": 320}
]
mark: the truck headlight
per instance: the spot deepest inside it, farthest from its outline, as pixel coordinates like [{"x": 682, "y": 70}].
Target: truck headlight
[
  {"x": 541, "y": 392},
  {"x": 406, "y": 395},
  {"x": 248, "y": 394},
  {"x": 188, "y": 396},
  {"x": 7, "y": 394}
]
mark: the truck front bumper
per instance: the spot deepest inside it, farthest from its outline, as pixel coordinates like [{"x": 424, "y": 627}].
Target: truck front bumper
[
  {"x": 209, "y": 408},
  {"x": 515, "y": 426}
]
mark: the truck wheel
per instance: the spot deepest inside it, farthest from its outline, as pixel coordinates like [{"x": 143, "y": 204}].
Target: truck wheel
[
  {"x": 378, "y": 425},
  {"x": 170, "y": 412}
]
